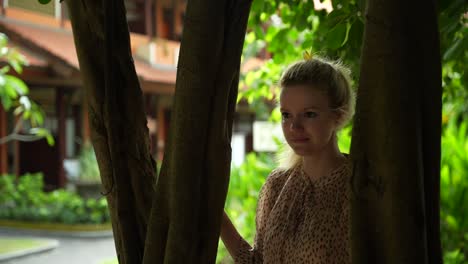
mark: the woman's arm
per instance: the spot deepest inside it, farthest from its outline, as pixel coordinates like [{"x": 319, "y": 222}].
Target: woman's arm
[
  {"x": 231, "y": 238},
  {"x": 238, "y": 248}
]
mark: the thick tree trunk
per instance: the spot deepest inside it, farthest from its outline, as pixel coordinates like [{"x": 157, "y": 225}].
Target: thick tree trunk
[
  {"x": 118, "y": 124},
  {"x": 190, "y": 194},
  {"x": 396, "y": 137}
]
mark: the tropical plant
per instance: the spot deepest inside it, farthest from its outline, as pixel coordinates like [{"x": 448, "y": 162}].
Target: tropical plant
[
  {"x": 25, "y": 200},
  {"x": 454, "y": 192},
  {"x": 89, "y": 169},
  {"x": 284, "y": 31},
  {"x": 14, "y": 97}
]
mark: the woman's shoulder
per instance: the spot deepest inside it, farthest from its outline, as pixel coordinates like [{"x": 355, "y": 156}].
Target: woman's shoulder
[
  {"x": 277, "y": 177},
  {"x": 278, "y": 174}
]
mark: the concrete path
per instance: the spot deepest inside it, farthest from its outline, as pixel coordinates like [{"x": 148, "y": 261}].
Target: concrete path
[{"x": 71, "y": 250}]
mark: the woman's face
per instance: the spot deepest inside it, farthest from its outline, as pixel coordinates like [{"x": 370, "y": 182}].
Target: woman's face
[{"x": 307, "y": 121}]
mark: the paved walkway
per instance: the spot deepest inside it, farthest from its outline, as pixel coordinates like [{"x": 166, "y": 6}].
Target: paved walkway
[{"x": 71, "y": 250}]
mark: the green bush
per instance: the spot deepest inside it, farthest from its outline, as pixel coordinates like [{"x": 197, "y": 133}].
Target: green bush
[
  {"x": 454, "y": 192},
  {"x": 89, "y": 169},
  {"x": 25, "y": 200}
]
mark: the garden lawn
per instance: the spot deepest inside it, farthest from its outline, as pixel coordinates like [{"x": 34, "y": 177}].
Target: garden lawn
[
  {"x": 11, "y": 245},
  {"x": 111, "y": 261}
]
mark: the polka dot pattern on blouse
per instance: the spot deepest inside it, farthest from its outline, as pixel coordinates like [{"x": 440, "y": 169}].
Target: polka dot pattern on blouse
[{"x": 301, "y": 221}]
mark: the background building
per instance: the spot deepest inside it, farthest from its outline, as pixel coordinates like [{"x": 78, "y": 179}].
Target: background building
[{"x": 43, "y": 34}]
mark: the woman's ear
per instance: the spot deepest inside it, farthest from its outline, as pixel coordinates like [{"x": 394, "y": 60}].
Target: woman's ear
[{"x": 337, "y": 116}]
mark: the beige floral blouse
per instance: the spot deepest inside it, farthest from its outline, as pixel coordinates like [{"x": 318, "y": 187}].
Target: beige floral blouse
[{"x": 301, "y": 221}]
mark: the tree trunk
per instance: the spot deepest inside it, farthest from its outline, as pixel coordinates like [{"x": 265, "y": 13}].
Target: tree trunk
[
  {"x": 189, "y": 196},
  {"x": 118, "y": 124},
  {"x": 396, "y": 136},
  {"x": 191, "y": 191}
]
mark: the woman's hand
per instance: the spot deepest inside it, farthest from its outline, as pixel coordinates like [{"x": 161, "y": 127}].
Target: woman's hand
[{"x": 231, "y": 238}]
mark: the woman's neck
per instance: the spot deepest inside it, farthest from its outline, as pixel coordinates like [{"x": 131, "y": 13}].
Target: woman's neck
[{"x": 321, "y": 164}]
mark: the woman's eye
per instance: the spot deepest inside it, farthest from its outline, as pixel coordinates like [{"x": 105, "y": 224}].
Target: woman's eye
[
  {"x": 311, "y": 114},
  {"x": 285, "y": 115}
]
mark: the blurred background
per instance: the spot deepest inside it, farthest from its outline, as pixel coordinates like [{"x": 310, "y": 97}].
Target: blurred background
[{"x": 50, "y": 183}]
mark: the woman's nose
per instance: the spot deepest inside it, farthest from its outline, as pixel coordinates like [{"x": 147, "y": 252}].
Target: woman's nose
[{"x": 296, "y": 124}]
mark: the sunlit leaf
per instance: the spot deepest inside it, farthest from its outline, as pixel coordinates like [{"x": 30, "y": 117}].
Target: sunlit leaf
[
  {"x": 456, "y": 49},
  {"x": 3, "y": 40},
  {"x": 24, "y": 100},
  {"x": 17, "y": 84},
  {"x": 6, "y": 102},
  {"x": 18, "y": 110},
  {"x": 3, "y": 71},
  {"x": 16, "y": 66},
  {"x": 42, "y": 132},
  {"x": 336, "y": 36}
]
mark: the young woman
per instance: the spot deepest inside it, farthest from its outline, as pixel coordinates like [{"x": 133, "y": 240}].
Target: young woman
[{"x": 303, "y": 208}]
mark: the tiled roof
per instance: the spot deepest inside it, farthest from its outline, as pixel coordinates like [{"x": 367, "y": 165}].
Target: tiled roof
[
  {"x": 33, "y": 59},
  {"x": 58, "y": 42}
]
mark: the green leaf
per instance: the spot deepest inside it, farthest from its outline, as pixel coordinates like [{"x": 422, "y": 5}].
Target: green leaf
[
  {"x": 10, "y": 91},
  {"x": 336, "y": 17},
  {"x": 6, "y": 102},
  {"x": 25, "y": 102},
  {"x": 44, "y": 2},
  {"x": 456, "y": 50},
  {"x": 3, "y": 40},
  {"x": 50, "y": 140},
  {"x": 3, "y": 71},
  {"x": 17, "y": 84},
  {"x": 336, "y": 36},
  {"x": 26, "y": 115},
  {"x": 37, "y": 117},
  {"x": 17, "y": 66},
  {"x": 348, "y": 27},
  {"x": 18, "y": 110},
  {"x": 42, "y": 132},
  {"x": 356, "y": 33},
  {"x": 2, "y": 78}
]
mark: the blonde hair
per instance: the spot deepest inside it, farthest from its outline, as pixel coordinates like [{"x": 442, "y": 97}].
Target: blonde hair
[{"x": 332, "y": 78}]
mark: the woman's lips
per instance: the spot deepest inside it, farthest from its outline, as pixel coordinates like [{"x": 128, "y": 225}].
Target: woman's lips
[{"x": 299, "y": 140}]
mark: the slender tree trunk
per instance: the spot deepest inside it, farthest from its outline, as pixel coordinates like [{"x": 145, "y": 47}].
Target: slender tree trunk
[
  {"x": 189, "y": 196},
  {"x": 396, "y": 137},
  {"x": 118, "y": 124},
  {"x": 191, "y": 191}
]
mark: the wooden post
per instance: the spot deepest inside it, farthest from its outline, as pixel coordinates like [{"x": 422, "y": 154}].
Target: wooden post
[
  {"x": 2, "y": 7},
  {"x": 60, "y": 110},
  {"x": 3, "y": 147},
  {"x": 62, "y": 17},
  {"x": 16, "y": 155},
  {"x": 149, "y": 18},
  {"x": 161, "y": 134},
  {"x": 159, "y": 29},
  {"x": 86, "y": 134}
]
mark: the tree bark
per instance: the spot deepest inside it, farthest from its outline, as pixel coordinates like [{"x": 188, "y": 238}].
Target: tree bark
[
  {"x": 188, "y": 199},
  {"x": 191, "y": 191},
  {"x": 396, "y": 137},
  {"x": 118, "y": 125}
]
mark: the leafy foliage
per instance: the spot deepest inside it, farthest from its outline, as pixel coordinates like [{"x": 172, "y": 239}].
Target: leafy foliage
[
  {"x": 285, "y": 29},
  {"x": 25, "y": 200},
  {"x": 14, "y": 96},
  {"x": 89, "y": 169},
  {"x": 454, "y": 192}
]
